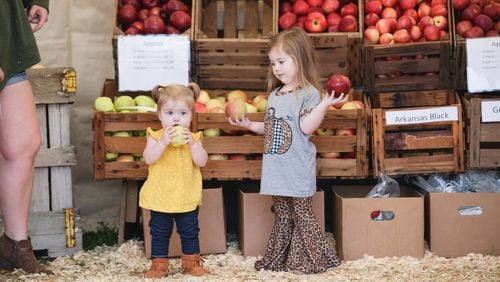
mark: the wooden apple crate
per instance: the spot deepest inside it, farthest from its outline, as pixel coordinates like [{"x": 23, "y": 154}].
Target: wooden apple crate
[
  {"x": 230, "y": 39},
  {"x": 54, "y": 90},
  {"x": 337, "y": 52},
  {"x": 482, "y": 138},
  {"x": 112, "y": 122},
  {"x": 428, "y": 147},
  {"x": 250, "y": 144}
]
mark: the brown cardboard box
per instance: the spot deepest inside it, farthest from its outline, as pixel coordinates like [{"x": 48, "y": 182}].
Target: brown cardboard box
[
  {"x": 212, "y": 223},
  {"x": 451, "y": 234},
  {"x": 356, "y": 234},
  {"x": 256, "y": 219}
]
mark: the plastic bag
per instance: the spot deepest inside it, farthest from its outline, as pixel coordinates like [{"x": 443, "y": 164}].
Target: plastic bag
[{"x": 386, "y": 187}]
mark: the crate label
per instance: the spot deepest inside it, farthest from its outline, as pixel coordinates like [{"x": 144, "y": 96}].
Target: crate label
[
  {"x": 149, "y": 60},
  {"x": 438, "y": 114},
  {"x": 483, "y": 64},
  {"x": 490, "y": 111}
]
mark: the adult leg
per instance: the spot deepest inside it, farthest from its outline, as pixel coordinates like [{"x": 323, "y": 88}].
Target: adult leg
[
  {"x": 188, "y": 229},
  {"x": 19, "y": 144},
  {"x": 160, "y": 226},
  {"x": 279, "y": 241},
  {"x": 309, "y": 250}
]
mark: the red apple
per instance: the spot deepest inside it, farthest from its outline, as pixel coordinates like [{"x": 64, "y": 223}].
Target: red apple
[
  {"x": 300, "y": 21},
  {"x": 331, "y": 155},
  {"x": 132, "y": 31},
  {"x": 150, "y": 3},
  {"x": 415, "y": 33},
  {"x": 439, "y": 10},
  {"x": 315, "y": 3},
  {"x": 237, "y": 157},
  {"x": 171, "y": 30},
  {"x": 393, "y": 24},
  {"x": 200, "y": 107},
  {"x": 471, "y": 12},
  {"x": 349, "y": 9},
  {"x": 497, "y": 26},
  {"x": 175, "y": 5},
  {"x": 481, "y": 3},
  {"x": 383, "y": 26},
  {"x": 474, "y": 32},
  {"x": 411, "y": 13},
  {"x": 435, "y": 2},
  {"x": 285, "y": 6},
  {"x": 333, "y": 19},
  {"x": 425, "y": 22},
  {"x": 348, "y": 24},
  {"x": 317, "y": 9},
  {"x": 402, "y": 36},
  {"x": 386, "y": 38},
  {"x": 143, "y": 14},
  {"x": 139, "y": 25},
  {"x": 398, "y": 11},
  {"x": 492, "y": 33},
  {"x": 127, "y": 15},
  {"x": 432, "y": 33},
  {"x": 460, "y": 4},
  {"x": 180, "y": 20},
  {"x": 135, "y": 3},
  {"x": 287, "y": 20},
  {"x": 373, "y": 6},
  {"x": 300, "y": 8},
  {"x": 407, "y": 4},
  {"x": 423, "y": 10},
  {"x": 347, "y": 131},
  {"x": 338, "y": 84},
  {"x": 154, "y": 25},
  {"x": 315, "y": 22},
  {"x": 484, "y": 22},
  {"x": 404, "y": 22},
  {"x": 330, "y": 6},
  {"x": 235, "y": 109},
  {"x": 462, "y": 27},
  {"x": 389, "y": 13},
  {"x": 155, "y": 11},
  {"x": 372, "y": 34},
  {"x": 492, "y": 10},
  {"x": 389, "y": 3},
  {"x": 441, "y": 22},
  {"x": 371, "y": 19}
]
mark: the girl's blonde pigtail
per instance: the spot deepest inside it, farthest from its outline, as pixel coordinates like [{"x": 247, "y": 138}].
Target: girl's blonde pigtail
[
  {"x": 195, "y": 89},
  {"x": 155, "y": 93}
]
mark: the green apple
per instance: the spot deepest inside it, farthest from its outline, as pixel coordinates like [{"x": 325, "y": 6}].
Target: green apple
[
  {"x": 222, "y": 99},
  {"x": 104, "y": 104},
  {"x": 203, "y": 97},
  {"x": 121, "y": 134},
  {"x": 123, "y": 101},
  {"x": 260, "y": 101},
  {"x": 125, "y": 158},
  {"x": 178, "y": 140},
  {"x": 211, "y": 132},
  {"x": 109, "y": 156},
  {"x": 214, "y": 103},
  {"x": 250, "y": 108},
  {"x": 143, "y": 100}
]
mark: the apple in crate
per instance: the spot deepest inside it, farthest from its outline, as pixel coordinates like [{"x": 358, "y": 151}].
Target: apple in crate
[
  {"x": 331, "y": 155},
  {"x": 203, "y": 97},
  {"x": 260, "y": 101},
  {"x": 217, "y": 157},
  {"x": 213, "y": 104},
  {"x": 250, "y": 108},
  {"x": 287, "y": 20},
  {"x": 211, "y": 132},
  {"x": 121, "y": 102},
  {"x": 110, "y": 156},
  {"x": 338, "y": 84},
  {"x": 353, "y": 105},
  {"x": 315, "y": 22},
  {"x": 235, "y": 109},
  {"x": 200, "y": 108},
  {"x": 345, "y": 132},
  {"x": 236, "y": 94},
  {"x": 125, "y": 158},
  {"x": 324, "y": 132},
  {"x": 122, "y": 134},
  {"x": 104, "y": 104},
  {"x": 146, "y": 101}
]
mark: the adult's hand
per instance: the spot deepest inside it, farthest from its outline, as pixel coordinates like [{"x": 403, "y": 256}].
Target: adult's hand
[{"x": 38, "y": 15}]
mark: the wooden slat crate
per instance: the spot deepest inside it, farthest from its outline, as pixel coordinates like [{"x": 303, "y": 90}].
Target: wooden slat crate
[
  {"x": 356, "y": 166},
  {"x": 54, "y": 90},
  {"x": 482, "y": 138},
  {"x": 419, "y": 98},
  {"x": 232, "y": 55},
  {"x": 113, "y": 122},
  {"x": 408, "y": 66},
  {"x": 337, "y": 52},
  {"x": 417, "y": 148}
]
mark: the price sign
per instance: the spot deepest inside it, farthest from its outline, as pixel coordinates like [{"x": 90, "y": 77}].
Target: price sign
[
  {"x": 483, "y": 64},
  {"x": 150, "y": 60},
  {"x": 490, "y": 111},
  {"x": 437, "y": 114}
]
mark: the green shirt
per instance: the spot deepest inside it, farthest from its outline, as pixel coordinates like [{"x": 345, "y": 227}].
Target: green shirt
[{"x": 18, "y": 50}]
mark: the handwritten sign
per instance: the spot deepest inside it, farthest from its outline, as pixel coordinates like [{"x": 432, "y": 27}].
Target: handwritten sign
[
  {"x": 150, "y": 60},
  {"x": 483, "y": 64},
  {"x": 437, "y": 114},
  {"x": 490, "y": 111}
]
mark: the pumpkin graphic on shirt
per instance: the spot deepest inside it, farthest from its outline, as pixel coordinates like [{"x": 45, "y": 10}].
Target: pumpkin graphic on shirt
[{"x": 277, "y": 133}]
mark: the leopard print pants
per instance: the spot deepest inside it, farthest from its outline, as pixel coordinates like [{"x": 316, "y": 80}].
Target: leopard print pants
[{"x": 296, "y": 241}]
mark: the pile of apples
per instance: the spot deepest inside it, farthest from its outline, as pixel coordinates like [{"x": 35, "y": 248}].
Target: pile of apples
[
  {"x": 477, "y": 18},
  {"x": 124, "y": 104},
  {"x": 116, "y": 157},
  {"x": 403, "y": 21},
  {"x": 319, "y": 15},
  {"x": 154, "y": 16}
]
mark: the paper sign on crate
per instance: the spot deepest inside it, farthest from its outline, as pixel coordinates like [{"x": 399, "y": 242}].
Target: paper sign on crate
[
  {"x": 490, "y": 111},
  {"x": 147, "y": 61},
  {"x": 483, "y": 64},
  {"x": 436, "y": 114}
]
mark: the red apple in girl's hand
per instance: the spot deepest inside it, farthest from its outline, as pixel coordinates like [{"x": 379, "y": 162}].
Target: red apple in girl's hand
[{"x": 338, "y": 83}]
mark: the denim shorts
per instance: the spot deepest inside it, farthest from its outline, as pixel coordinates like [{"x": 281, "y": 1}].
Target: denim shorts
[{"x": 22, "y": 76}]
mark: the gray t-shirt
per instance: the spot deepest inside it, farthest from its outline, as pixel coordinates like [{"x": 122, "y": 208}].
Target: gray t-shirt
[{"x": 289, "y": 159}]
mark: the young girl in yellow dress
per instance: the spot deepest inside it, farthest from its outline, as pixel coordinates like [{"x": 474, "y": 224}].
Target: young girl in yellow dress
[{"x": 172, "y": 190}]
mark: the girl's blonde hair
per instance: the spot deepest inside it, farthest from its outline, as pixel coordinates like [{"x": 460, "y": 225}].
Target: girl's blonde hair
[
  {"x": 178, "y": 92},
  {"x": 295, "y": 43}
]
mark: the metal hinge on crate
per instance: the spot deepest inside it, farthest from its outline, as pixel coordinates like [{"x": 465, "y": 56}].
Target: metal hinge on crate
[
  {"x": 69, "y": 227},
  {"x": 69, "y": 81}
]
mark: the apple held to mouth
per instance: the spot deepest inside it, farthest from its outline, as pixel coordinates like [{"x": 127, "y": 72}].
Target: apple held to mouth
[{"x": 179, "y": 139}]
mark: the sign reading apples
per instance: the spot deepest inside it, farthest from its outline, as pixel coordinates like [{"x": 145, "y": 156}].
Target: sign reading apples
[{"x": 316, "y": 16}]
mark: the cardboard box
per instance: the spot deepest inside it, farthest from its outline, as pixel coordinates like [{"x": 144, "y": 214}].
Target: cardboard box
[
  {"x": 451, "y": 234},
  {"x": 212, "y": 223},
  {"x": 256, "y": 219},
  {"x": 356, "y": 234}
]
